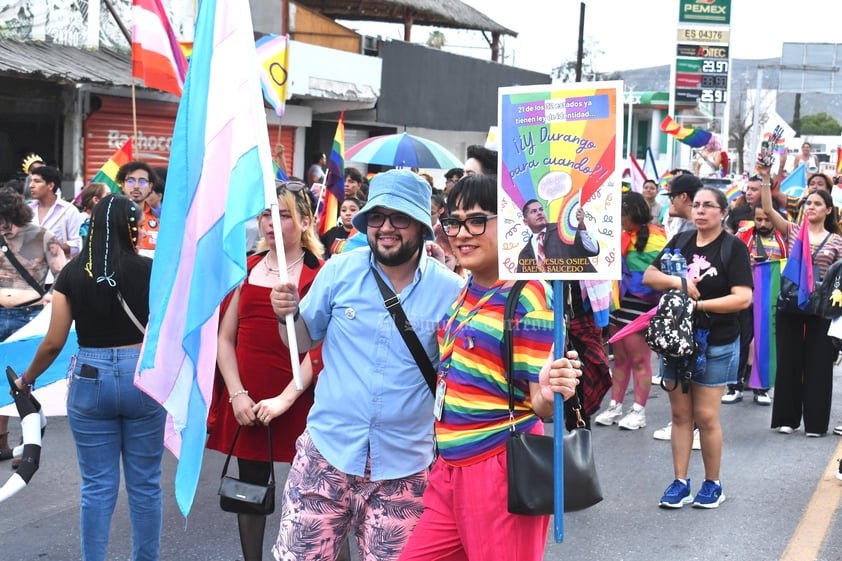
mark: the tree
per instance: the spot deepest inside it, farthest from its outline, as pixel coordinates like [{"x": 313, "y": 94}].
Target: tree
[
  {"x": 820, "y": 124},
  {"x": 436, "y": 39},
  {"x": 566, "y": 71}
]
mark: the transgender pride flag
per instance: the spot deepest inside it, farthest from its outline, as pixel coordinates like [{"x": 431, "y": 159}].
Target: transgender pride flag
[{"x": 220, "y": 176}]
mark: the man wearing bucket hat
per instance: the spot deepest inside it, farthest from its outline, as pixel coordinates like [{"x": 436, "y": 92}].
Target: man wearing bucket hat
[{"x": 369, "y": 436}]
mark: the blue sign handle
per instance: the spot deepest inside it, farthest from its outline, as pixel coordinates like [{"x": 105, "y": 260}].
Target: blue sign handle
[{"x": 558, "y": 415}]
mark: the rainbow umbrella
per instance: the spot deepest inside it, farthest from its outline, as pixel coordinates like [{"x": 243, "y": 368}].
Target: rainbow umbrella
[{"x": 402, "y": 151}]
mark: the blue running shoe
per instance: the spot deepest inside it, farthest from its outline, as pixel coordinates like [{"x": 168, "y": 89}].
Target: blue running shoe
[
  {"x": 677, "y": 495},
  {"x": 710, "y": 495}
]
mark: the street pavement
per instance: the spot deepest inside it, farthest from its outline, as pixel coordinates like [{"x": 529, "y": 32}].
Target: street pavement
[{"x": 769, "y": 480}]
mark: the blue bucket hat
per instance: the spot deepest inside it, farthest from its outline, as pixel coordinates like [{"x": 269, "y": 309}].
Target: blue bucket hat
[{"x": 402, "y": 191}]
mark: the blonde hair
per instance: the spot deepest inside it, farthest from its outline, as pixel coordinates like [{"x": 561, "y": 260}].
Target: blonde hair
[{"x": 309, "y": 240}]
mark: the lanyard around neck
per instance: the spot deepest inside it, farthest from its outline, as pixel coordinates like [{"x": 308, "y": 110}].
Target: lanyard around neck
[{"x": 451, "y": 330}]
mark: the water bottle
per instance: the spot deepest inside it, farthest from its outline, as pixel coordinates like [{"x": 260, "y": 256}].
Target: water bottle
[
  {"x": 666, "y": 262},
  {"x": 678, "y": 264}
]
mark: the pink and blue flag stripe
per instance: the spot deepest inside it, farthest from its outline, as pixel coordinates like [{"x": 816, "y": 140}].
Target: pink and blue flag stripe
[
  {"x": 799, "y": 267},
  {"x": 219, "y": 178}
]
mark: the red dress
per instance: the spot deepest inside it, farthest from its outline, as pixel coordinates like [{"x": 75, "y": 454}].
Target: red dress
[{"x": 264, "y": 365}]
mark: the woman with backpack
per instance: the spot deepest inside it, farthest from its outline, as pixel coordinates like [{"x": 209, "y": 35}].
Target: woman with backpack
[
  {"x": 721, "y": 286},
  {"x": 804, "y": 377}
]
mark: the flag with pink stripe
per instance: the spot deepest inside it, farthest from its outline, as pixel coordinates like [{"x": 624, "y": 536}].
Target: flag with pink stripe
[
  {"x": 220, "y": 177},
  {"x": 157, "y": 58}
]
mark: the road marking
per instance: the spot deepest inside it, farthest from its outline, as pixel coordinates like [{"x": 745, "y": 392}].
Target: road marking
[{"x": 806, "y": 541}]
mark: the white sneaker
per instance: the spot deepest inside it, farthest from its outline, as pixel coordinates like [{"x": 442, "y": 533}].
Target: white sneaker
[
  {"x": 634, "y": 420},
  {"x": 664, "y": 433},
  {"x": 610, "y": 415}
]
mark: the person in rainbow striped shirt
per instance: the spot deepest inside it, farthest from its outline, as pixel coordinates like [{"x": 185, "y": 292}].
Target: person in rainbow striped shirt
[{"x": 465, "y": 503}]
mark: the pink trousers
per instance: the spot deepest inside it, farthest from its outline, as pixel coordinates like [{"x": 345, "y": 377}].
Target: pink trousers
[{"x": 466, "y": 518}]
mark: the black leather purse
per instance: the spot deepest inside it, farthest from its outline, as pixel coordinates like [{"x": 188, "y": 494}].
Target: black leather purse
[
  {"x": 243, "y": 497},
  {"x": 529, "y": 457}
]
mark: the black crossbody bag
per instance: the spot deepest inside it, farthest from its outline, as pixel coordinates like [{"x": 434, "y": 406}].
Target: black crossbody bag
[{"x": 393, "y": 306}]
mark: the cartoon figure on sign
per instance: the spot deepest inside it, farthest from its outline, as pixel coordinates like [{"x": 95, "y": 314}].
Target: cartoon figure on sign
[{"x": 564, "y": 247}]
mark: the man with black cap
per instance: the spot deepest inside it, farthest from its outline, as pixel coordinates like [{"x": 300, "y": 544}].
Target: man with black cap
[
  {"x": 682, "y": 190},
  {"x": 369, "y": 436}
]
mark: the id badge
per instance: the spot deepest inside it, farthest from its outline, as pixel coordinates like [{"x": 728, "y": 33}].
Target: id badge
[{"x": 441, "y": 388}]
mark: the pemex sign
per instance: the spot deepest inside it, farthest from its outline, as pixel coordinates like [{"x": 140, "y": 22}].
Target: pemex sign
[{"x": 705, "y": 12}]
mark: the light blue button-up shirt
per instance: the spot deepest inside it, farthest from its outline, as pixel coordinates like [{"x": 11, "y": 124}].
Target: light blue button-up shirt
[{"x": 371, "y": 398}]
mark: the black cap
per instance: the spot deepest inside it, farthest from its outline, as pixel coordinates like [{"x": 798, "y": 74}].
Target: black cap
[{"x": 687, "y": 183}]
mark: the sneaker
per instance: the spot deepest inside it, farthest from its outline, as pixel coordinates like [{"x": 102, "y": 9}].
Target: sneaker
[
  {"x": 839, "y": 471},
  {"x": 710, "y": 495},
  {"x": 610, "y": 415},
  {"x": 636, "y": 419},
  {"x": 732, "y": 396},
  {"x": 815, "y": 434},
  {"x": 666, "y": 433},
  {"x": 837, "y": 430},
  {"x": 761, "y": 397},
  {"x": 786, "y": 429},
  {"x": 677, "y": 495}
]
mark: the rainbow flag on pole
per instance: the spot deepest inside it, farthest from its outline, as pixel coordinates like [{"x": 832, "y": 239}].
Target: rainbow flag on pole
[
  {"x": 767, "y": 285},
  {"x": 220, "y": 178},
  {"x": 688, "y": 135},
  {"x": 334, "y": 192},
  {"x": 839, "y": 161},
  {"x": 108, "y": 172}
]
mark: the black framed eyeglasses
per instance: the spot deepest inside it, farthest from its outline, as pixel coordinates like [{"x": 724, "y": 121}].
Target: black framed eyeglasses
[
  {"x": 475, "y": 225},
  {"x": 398, "y": 220}
]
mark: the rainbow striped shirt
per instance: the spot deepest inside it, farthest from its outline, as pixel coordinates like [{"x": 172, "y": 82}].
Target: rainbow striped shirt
[{"x": 475, "y": 417}]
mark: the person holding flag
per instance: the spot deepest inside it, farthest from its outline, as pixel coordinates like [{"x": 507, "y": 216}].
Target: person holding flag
[
  {"x": 804, "y": 377},
  {"x": 369, "y": 436}
]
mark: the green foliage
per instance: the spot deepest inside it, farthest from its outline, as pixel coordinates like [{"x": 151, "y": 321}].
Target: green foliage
[{"x": 819, "y": 124}]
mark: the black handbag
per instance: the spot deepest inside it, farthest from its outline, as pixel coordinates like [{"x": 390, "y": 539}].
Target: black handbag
[
  {"x": 243, "y": 497},
  {"x": 529, "y": 457}
]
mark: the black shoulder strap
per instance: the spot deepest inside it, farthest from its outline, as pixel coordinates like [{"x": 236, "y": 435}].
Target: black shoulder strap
[
  {"x": 4, "y": 247},
  {"x": 393, "y": 306},
  {"x": 508, "y": 343}
]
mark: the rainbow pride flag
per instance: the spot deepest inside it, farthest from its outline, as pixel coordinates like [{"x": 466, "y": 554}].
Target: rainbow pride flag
[
  {"x": 767, "y": 285},
  {"x": 733, "y": 192},
  {"x": 334, "y": 192},
  {"x": 839, "y": 160},
  {"x": 688, "y": 135},
  {"x": 108, "y": 172}
]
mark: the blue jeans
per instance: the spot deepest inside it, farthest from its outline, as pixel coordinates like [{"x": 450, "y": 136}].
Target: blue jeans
[
  {"x": 110, "y": 418},
  {"x": 12, "y": 319}
]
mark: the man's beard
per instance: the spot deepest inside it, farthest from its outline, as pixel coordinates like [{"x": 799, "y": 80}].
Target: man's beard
[
  {"x": 406, "y": 251},
  {"x": 764, "y": 232}
]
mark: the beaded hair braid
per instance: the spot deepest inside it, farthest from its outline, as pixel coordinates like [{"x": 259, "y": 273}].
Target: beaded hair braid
[{"x": 132, "y": 230}]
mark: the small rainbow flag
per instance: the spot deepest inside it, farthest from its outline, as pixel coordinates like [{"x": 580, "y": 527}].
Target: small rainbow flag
[
  {"x": 108, "y": 173},
  {"x": 733, "y": 192},
  {"x": 688, "y": 135},
  {"x": 780, "y": 143},
  {"x": 839, "y": 161},
  {"x": 334, "y": 192},
  {"x": 664, "y": 182}
]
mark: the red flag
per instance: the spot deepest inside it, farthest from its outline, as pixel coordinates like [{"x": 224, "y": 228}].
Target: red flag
[{"x": 157, "y": 58}]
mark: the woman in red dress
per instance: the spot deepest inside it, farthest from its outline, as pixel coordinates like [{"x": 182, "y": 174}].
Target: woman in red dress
[{"x": 254, "y": 387}]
